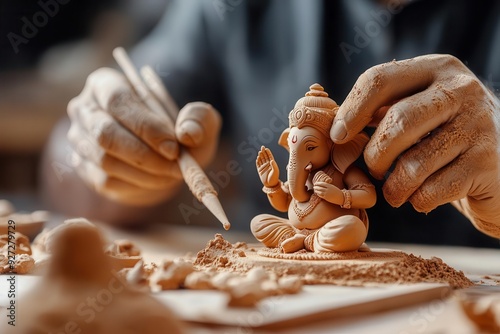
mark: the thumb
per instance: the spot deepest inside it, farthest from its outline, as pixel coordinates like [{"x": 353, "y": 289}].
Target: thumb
[
  {"x": 198, "y": 127},
  {"x": 198, "y": 122}
]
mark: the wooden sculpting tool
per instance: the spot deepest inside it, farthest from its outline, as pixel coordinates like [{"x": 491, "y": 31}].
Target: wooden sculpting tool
[{"x": 193, "y": 174}]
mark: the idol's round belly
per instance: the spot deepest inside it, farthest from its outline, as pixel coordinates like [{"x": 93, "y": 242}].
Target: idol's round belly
[{"x": 321, "y": 214}]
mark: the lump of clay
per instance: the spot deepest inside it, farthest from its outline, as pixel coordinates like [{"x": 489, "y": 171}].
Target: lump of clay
[
  {"x": 245, "y": 293},
  {"x": 138, "y": 276},
  {"x": 81, "y": 293},
  {"x": 482, "y": 307},
  {"x": 199, "y": 280},
  {"x": 124, "y": 253},
  {"x": 171, "y": 274},
  {"x": 47, "y": 238},
  {"x": 123, "y": 248},
  {"x": 220, "y": 280},
  {"x": 19, "y": 248},
  {"x": 28, "y": 224},
  {"x": 21, "y": 242},
  {"x": 290, "y": 284},
  {"x": 23, "y": 264}
]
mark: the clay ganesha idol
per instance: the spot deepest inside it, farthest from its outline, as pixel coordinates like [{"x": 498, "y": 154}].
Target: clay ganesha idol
[{"x": 325, "y": 195}]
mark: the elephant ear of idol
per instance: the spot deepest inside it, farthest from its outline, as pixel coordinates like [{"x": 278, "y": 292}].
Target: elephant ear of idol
[{"x": 317, "y": 110}]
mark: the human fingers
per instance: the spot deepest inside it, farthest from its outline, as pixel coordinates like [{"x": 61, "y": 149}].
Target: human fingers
[
  {"x": 198, "y": 128},
  {"x": 417, "y": 164},
  {"x": 86, "y": 149},
  {"x": 405, "y": 123},
  {"x": 450, "y": 183},
  {"x": 112, "y": 187},
  {"x": 198, "y": 122},
  {"x": 379, "y": 86},
  {"x": 117, "y": 141},
  {"x": 114, "y": 94},
  {"x": 156, "y": 87}
]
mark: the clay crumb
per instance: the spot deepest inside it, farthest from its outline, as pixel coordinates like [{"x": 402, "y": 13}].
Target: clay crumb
[
  {"x": 217, "y": 253},
  {"x": 171, "y": 274},
  {"x": 123, "y": 248}
]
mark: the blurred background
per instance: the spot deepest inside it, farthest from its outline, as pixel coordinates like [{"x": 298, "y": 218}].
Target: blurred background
[{"x": 43, "y": 66}]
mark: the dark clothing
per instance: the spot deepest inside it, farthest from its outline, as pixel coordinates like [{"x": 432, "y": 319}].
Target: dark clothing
[{"x": 254, "y": 59}]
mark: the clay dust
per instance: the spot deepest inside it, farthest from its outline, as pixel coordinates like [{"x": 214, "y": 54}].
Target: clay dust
[{"x": 347, "y": 269}]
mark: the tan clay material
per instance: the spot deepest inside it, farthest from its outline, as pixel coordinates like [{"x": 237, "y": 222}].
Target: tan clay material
[
  {"x": 21, "y": 242},
  {"x": 80, "y": 273},
  {"x": 24, "y": 264},
  {"x": 347, "y": 268},
  {"x": 325, "y": 196},
  {"x": 123, "y": 254},
  {"x": 18, "y": 251},
  {"x": 171, "y": 274},
  {"x": 482, "y": 306},
  {"x": 123, "y": 247},
  {"x": 29, "y": 224}
]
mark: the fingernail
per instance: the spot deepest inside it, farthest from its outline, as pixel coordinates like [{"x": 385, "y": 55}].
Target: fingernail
[
  {"x": 169, "y": 149},
  {"x": 338, "y": 131},
  {"x": 191, "y": 133}
]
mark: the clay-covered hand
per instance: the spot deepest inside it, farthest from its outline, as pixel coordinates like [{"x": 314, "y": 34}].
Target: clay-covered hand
[
  {"x": 439, "y": 125},
  {"x": 125, "y": 151},
  {"x": 329, "y": 192},
  {"x": 267, "y": 168}
]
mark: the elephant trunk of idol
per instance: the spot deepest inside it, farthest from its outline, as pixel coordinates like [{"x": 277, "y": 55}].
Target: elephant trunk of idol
[{"x": 297, "y": 179}]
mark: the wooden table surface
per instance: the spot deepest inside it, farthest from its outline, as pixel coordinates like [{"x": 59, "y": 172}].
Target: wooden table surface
[{"x": 438, "y": 316}]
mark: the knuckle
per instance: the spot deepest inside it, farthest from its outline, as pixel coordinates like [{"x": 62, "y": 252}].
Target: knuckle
[
  {"x": 450, "y": 60},
  {"x": 197, "y": 104},
  {"x": 95, "y": 76},
  {"x": 73, "y": 107},
  {"x": 400, "y": 118},
  {"x": 104, "y": 133},
  {"x": 373, "y": 77},
  {"x": 392, "y": 192},
  {"x": 73, "y": 134},
  {"x": 371, "y": 153},
  {"x": 467, "y": 81},
  {"x": 421, "y": 202},
  {"x": 413, "y": 165}
]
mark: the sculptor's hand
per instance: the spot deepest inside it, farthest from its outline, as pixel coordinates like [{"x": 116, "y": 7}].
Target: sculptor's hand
[
  {"x": 267, "y": 168},
  {"x": 125, "y": 151},
  {"x": 441, "y": 131}
]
